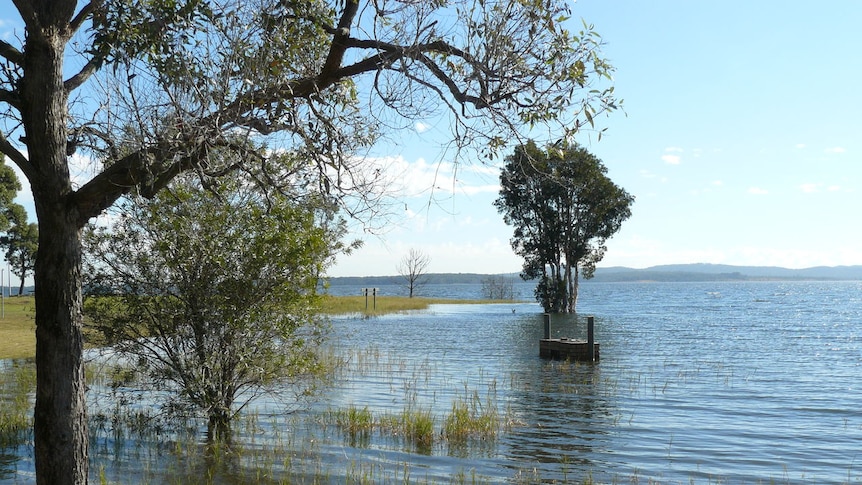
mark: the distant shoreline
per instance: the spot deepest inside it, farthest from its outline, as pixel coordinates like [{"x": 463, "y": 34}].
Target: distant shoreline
[{"x": 665, "y": 273}]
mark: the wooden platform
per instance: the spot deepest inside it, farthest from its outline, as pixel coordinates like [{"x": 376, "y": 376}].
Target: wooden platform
[{"x": 563, "y": 348}]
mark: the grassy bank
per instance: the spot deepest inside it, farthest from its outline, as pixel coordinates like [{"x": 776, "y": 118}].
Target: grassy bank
[
  {"x": 17, "y": 330},
  {"x": 340, "y": 305},
  {"x": 18, "y": 338}
]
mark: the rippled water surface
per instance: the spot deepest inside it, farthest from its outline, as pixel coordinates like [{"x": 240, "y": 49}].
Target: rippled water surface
[
  {"x": 699, "y": 382},
  {"x": 742, "y": 382}
]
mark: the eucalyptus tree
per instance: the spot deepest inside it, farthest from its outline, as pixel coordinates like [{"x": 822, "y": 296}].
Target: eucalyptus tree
[
  {"x": 564, "y": 208},
  {"x": 20, "y": 240},
  {"x": 213, "y": 290},
  {"x": 147, "y": 90},
  {"x": 9, "y": 188},
  {"x": 21, "y": 243}
]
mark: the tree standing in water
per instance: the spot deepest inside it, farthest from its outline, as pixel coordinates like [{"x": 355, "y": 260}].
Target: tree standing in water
[
  {"x": 213, "y": 290},
  {"x": 564, "y": 208}
]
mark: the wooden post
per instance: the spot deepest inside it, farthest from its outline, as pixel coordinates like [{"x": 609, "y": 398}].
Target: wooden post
[
  {"x": 547, "y": 317},
  {"x": 374, "y": 292},
  {"x": 591, "y": 338}
]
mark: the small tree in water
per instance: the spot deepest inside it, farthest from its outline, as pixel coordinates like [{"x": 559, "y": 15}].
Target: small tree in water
[{"x": 216, "y": 291}]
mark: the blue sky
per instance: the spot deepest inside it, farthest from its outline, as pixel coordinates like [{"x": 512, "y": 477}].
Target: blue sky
[{"x": 739, "y": 138}]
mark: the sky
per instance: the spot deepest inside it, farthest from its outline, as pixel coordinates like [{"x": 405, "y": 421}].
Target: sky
[{"x": 740, "y": 138}]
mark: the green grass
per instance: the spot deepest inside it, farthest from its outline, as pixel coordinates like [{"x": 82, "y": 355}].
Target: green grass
[
  {"x": 17, "y": 328},
  {"x": 340, "y": 305}
]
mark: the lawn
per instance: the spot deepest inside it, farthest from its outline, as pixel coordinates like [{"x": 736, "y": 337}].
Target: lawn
[{"x": 17, "y": 330}]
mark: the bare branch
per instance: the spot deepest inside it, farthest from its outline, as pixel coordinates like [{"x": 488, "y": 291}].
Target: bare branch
[
  {"x": 112, "y": 183},
  {"x": 17, "y": 157},
  {"x": 10, "y": 53},
  {"x": 340, "y": 38},
  {"x": 78, "y": 79},
  {"x": 10, "y": 98},
  {"x": 82, "y": 16}
]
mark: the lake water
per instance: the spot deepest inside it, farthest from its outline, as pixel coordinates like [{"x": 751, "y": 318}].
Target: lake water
[{"x": 737, "y": 382}]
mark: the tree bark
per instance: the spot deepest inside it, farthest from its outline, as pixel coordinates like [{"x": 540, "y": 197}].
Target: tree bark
[
  {"x": 60, "y": 421},
  {"x": 60, "y": 430}
]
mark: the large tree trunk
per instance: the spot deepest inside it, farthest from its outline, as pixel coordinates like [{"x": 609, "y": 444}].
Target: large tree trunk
[
  {"x": 60, "y": 429},
  {"x": 61, "y": 438}
]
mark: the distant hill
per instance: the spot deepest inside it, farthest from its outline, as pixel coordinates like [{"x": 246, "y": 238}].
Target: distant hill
[
  {"x": 671, "y": 272},
  {"x": 723, "y": 272}
]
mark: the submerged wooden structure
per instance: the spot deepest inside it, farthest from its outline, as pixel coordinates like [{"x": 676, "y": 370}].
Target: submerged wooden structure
[{"x": 569, "y": 349}]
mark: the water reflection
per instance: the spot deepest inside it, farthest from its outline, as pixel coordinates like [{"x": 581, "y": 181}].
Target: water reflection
[{"x": 567, "y": 407}]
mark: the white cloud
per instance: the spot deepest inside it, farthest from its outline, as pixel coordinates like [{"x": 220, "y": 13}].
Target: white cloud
[
  {"x": 757, "y": 191},
  {"x": 673, "y": 149},
  {"x": 421, "y": 127},
  {"x": 800, "y": 145},
  {"x": 836, "y": 150},
  {"x": 671, "y": 159},
  {"x": 441, "y": 180},
  {"x": 717, "y": 183},
  {"x": 492, "y": 255},
  {"x": 810, "y": 188},
  {"x": 814, "y": 188}
]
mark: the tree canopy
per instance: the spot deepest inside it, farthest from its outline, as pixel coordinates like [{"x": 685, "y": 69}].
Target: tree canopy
[
  {"x": 563, "y": 208},
  {"x": 22, "y": 244},
  {"x": 145, "y": 91},
  {"x": 9, "y": 188},
  {"x": 21, "y": 238}
]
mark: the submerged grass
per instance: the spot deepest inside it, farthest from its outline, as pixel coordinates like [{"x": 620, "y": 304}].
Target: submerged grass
[
  {"x": 471, "y": 419},
  {"x": 17, "y": 385}
]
